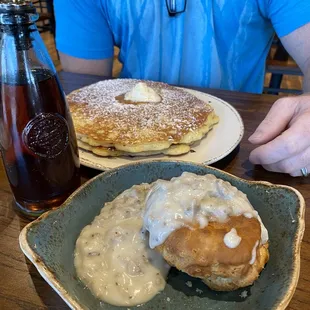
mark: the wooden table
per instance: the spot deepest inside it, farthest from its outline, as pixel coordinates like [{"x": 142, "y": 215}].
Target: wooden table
[{"x": 21, "y": 287}]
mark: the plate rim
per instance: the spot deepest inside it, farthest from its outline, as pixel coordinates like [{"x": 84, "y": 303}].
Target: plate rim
[
  {"x": 48, "y": 276},
  {"x": 87, "y": 163}
]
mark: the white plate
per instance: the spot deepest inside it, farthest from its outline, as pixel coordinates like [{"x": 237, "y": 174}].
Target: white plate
[{"x": 218, "y": 143}]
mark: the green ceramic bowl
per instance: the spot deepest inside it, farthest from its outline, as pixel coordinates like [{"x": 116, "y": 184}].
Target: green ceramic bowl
[{"x": 49, "y": 242}]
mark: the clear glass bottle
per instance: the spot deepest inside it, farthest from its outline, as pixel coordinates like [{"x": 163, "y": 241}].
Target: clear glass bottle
[{"x": 37, "y": 138}]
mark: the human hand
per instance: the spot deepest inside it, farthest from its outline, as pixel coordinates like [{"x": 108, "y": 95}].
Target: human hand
[{"x": 283, "y": 137}]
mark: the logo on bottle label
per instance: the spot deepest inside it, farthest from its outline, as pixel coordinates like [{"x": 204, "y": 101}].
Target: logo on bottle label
[{"x": 47, "y": 135}]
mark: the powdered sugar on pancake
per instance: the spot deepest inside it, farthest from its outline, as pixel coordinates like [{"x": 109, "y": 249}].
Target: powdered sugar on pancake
[{"x": 178, "y": 113}]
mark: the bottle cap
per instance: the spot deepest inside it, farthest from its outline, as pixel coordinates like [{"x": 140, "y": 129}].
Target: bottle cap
[{"x": 17, "y": 12}]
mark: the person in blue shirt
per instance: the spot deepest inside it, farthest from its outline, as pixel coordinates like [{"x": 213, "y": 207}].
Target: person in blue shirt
[{"x": 213, "y": 43}]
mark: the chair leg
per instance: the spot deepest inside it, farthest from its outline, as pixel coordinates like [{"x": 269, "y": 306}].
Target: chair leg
[
  {"x": 276, "y": 79},
  {"x": 281, "y": 54},
  {"x": 275, "y": 82}
]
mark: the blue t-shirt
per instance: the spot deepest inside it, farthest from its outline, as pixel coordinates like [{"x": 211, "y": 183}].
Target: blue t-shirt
[{"x": 214, "y": 43}]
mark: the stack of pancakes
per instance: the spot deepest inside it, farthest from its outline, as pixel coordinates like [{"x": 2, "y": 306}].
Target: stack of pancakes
[{"x": 108, "y": 125}]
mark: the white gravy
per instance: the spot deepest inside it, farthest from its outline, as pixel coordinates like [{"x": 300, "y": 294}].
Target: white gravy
[
  {"x": 115, "y": 258},
  {"x": 231, "y": 239},
  {"x": 193, "y": 198},
  {"x": 112, "y": 255},
  {"x": 253, "y": 259}
]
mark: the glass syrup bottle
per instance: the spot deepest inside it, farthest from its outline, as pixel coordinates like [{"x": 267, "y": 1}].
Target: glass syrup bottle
[{"x": 37, "y": 138}]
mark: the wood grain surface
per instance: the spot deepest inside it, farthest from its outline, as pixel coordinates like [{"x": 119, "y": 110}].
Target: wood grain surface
[{"x": 21, "y": 287}]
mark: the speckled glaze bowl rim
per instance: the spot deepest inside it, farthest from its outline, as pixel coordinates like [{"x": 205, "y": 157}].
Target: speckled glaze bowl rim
[{"x": 50, "y": 278}]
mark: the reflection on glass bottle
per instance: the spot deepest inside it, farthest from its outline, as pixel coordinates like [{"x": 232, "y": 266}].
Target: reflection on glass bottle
[{"x": 37, "y": 138}]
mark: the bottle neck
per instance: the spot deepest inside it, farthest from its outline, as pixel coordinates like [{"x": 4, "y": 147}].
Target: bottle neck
[
  {"x": 17, "y": 19},
  {"x": 23, "y": 54},
  {"x": 21, "y": 34}
]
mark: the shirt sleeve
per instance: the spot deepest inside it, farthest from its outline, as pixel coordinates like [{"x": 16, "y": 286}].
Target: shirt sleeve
[
  {"x": 82, "y": 30},
  {"x": 287, "y": 15}
]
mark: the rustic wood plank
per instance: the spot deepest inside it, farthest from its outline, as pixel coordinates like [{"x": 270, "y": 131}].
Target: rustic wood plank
[{"x": 21, "y": 287}]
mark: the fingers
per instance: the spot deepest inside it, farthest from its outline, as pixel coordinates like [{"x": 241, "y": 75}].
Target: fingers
[
  {"x": 295, "y": 173},
  {"x": 291, "y": 165},
  {"x": 275, "y": 121},
  {"x": 284, "y": 137},
  {"x": 290, "y": 143},
  {"x": 298, "y": 172}
]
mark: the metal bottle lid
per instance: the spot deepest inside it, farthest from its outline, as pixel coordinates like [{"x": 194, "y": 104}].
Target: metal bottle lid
[{"x": 17, "y": 12}]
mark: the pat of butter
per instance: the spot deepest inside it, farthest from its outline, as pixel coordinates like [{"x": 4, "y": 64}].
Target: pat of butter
[{"x": 142, "y": 93}]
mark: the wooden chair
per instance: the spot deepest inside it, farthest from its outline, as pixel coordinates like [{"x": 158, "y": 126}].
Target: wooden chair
[
  {"x": 46, "y": 21},
  {"x": 278, "y": 66}
]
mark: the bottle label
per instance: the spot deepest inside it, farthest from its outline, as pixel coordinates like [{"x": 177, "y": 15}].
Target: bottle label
[{"x": 47, "y": 135}]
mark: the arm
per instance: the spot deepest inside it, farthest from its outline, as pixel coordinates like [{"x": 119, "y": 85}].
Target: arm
[
  {"x": 83, "y": 37},
  {"x": 297, "y": 45},
  {"x": 282, "y": 139},
  {"x": 101, "y": 67},
  {"x": 306, "y": 83}
]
